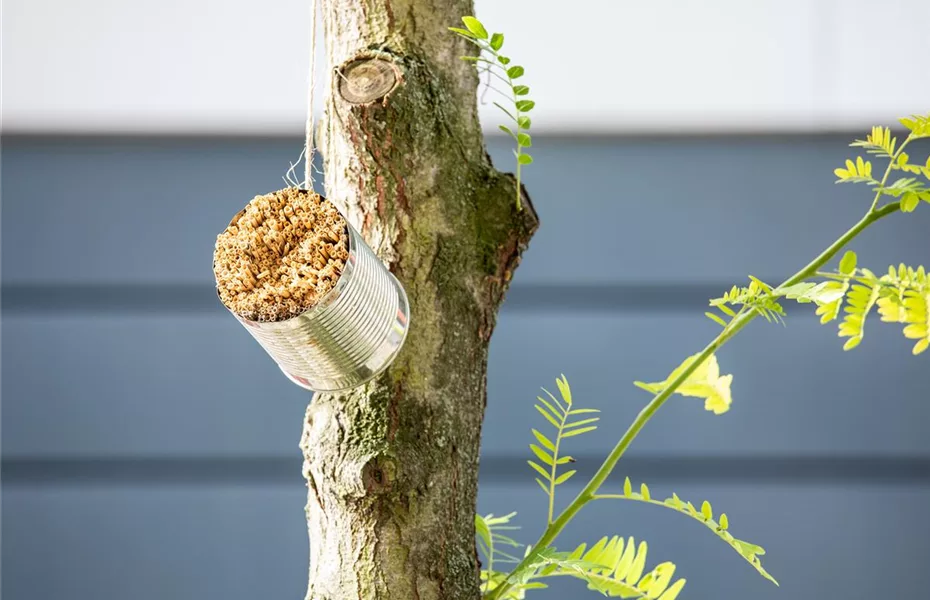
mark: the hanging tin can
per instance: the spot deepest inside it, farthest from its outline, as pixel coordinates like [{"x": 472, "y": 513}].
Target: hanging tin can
[{"x": 350, "y": 335}]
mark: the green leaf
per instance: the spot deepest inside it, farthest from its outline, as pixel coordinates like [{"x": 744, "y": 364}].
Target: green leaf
[
  {"x": 556, "y": 412},
  {"x": 644, "y": 492},
  {"x": 652, "y": 388},
  {"x": 713, "y": 317},
  {"x": 541, "y": 454},
  {"x": 564, "y": 477},
  {"x": 564, "y": 389},
  {"x": 503, "y": 60},
  {"x": 481, "y": 527},
  {"x": 497, "y": 40},
  {"x": 852, "y": 343},
  {"x": 706, "y": 510},
  {"x": 574, "y": 432},
  {"x": 704, "y": 382},
  {"x": 909, "y": 202},
  {"x": 508, "y": 131},
  {"x": 526, "y": 141},
  {"x": 515, "y": 72},
  {"x": 544, "y": 441},
  {"x": 726, "y": 310},
  {"x": 724, "y": 521},
  {"x": 521, "y": 90},
  {"x": 856, "y": 172},
  {"x": 549, "y": 417},
  {"x": 525, "y": 159},
  {"x": 475, "y": 26},
  {"x": 582, "y": 422},
  {"x": 627, "y": 487},
  {"x": 464, "y": 32},
  {"x": 903, "y": 186},
  {"x": 525, "y": 105},
  {"x": 523, "y": 122},
  {"x": 848, "y": 263},
  {"x": 672, "y": 592},
  {"x": 539, "y": 470},
  {"x": 830, "y": 309},
  {"x": 612, "y": 566},
  {"x": 859, "y": 302}
]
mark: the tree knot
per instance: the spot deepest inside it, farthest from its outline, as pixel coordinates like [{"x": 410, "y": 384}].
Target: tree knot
[
  {"x": 379, "y": 475},
  {"x": 365, "y": 80}
]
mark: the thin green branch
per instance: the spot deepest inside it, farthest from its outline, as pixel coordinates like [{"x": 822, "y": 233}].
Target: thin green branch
[
  {"x": 555, "y": 462},
  {"x": 891, "y": 163},
  {"x": 742, "y": 319},
  {"x": 750, "y": 552},
  {"x": 490, "y": 555},
  {"x": 479, "y": 37}
]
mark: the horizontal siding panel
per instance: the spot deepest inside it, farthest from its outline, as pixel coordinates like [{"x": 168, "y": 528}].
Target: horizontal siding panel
[
  {"x": 613, "y": 210},
  {"x": 163, "y": 386},
  {"x": 795, "y": 392},
  {"x": 234, "y": 542},
  {"x": 105, "y": 543},
  {"x": 160, "y": 386}
]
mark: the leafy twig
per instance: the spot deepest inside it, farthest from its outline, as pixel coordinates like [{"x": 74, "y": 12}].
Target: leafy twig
[
  {"x": 477, "y": 34},
  {"x": 918, "y": 302}
]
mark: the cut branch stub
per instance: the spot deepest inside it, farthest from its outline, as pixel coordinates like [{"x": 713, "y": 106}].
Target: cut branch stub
[{"x": 367, "y": 80}]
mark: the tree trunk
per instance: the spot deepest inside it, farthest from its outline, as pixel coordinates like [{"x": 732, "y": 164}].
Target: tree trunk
[{"x": 392, "y": 467}]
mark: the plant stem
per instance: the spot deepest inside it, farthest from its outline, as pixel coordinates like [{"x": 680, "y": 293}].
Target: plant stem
[
  {"x": 892, "y": 160},
  {"x": 555, "y": 464},
  {"x": 485, "y": 46},
  {"x": 490, "y": 561},
  {"x": 811, "y": 269},
  {"x": 742, "y": 318},
  {"x": 516, "y": 108}
]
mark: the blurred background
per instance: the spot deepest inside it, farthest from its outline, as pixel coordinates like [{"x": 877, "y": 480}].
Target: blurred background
[{"x": 149, "y": 447}]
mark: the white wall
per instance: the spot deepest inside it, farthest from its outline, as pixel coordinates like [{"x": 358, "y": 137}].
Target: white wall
[{"x": 196, "y": 66}]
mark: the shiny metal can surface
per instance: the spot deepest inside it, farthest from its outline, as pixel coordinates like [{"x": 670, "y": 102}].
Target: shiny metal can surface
[{"x": 350, "y": 336}]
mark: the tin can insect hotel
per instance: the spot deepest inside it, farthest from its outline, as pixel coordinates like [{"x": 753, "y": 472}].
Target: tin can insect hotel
[{"x": 305, "y": 284}]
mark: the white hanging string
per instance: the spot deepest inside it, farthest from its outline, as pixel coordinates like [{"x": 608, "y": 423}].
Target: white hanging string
[{"x": 308, "y": 148}]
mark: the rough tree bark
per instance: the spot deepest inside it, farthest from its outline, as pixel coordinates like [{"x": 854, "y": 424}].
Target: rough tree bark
[{"x": 392, "y": 468}]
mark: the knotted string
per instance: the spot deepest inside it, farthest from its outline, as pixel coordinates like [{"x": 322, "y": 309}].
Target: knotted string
[{"x": 308, "y": 147}]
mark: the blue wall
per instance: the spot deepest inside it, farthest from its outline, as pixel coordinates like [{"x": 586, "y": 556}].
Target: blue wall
[{"x": 150, "y": 447}]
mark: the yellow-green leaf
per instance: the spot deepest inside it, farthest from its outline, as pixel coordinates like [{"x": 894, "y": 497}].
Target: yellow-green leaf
[
  {"x": 474, "y": 25},
  {"x": 706, "y": 510},
  {"x": 672, "y": 592},
  {"x": 538, "y": 469},
  {"x": 549, "y": 417},
  {"x": 546, "y": 442},
  {"x": 541, "y": 454},
  {"x": 848, "y": 263},
  {"x": 705, "y": 382},
  {"x": 574, "y": 432},
  {"x": 564, "y": 477}
]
